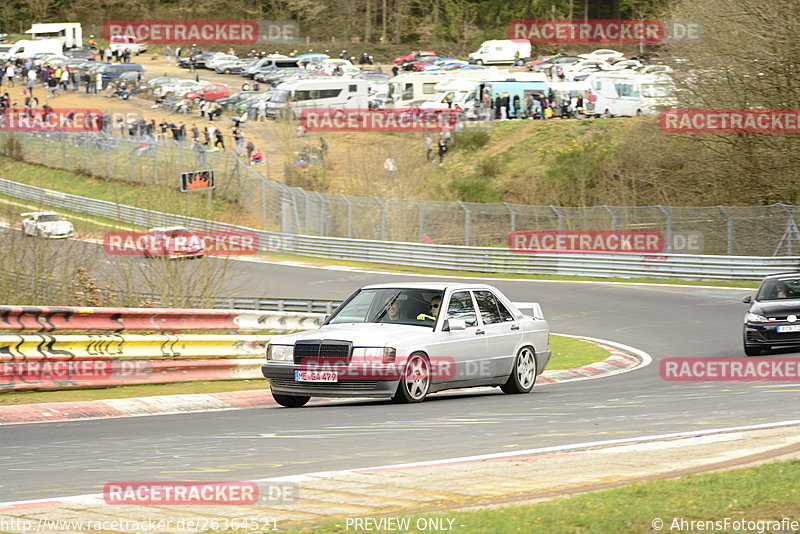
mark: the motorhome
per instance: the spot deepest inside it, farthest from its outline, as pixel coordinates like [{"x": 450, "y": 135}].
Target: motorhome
[
  {"x": 627, "y": 95},
  {"x": 69, "y": 33},
  {"x": 501, "y": 51},
  {"x": 290, "y": 98}
]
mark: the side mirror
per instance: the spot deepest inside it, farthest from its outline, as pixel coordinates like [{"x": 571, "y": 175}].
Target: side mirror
[
  {"x": 454, "y": 324},
  {"x": 748, "y": 299},
  {"x": 325, "y": 318}
]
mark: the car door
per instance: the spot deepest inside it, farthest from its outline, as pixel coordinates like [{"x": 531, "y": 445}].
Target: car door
[
  {"x": 28, "y": 225},
  {"x": 459, "y": 353},
  {"x": 503, "y": 333}
]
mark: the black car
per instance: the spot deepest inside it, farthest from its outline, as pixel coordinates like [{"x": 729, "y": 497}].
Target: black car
[{"x": 773, "y": 319}]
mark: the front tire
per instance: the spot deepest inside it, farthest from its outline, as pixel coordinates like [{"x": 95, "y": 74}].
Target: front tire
[
  {"x": 290, "y": 401},
  {"x": 415, "y": 383},
  {"x": 523, "y": 375}
]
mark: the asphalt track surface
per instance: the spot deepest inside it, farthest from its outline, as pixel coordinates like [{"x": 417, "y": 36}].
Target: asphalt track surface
[{"x": 60, "y": 459}]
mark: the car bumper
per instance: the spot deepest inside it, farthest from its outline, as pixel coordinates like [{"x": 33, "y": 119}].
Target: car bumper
[
  {"x": 282, "y": 380},
  {"x": 767, "y": 335},
  {"x": 542, "y": 359}
]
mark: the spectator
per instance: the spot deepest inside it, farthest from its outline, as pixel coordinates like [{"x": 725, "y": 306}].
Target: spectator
[
  {"x": 391, "y": 167},
  {"x": 442, "y": 150},
  {"x": 168, "y": 55},
  {"x": 428, "y": 147},
  {"x": 249, "y": 149}
]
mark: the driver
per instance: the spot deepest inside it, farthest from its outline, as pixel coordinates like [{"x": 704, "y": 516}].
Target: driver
[{"x": 436, "y": 303}]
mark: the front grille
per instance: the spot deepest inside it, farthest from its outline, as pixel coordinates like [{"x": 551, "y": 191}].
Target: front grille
[
  {"x": 328, "y": 351},
  {"x": 347, "y": 385}
]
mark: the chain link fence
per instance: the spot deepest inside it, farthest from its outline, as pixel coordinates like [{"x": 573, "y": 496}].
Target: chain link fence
[{"x": 724, "y": 230}]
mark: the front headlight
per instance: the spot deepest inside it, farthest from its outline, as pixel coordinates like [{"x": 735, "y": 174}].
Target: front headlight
[
  {"x": 384, "y": 354},
  {"x": 280, "y": 353},
  {"x": 755, "y": 318}
]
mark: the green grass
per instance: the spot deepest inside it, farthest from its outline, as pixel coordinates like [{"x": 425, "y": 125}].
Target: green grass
[
  {"x": 765, "y": 492},
  {"x": 124, "y": 392},
  {"x": 569, "y": 353}
]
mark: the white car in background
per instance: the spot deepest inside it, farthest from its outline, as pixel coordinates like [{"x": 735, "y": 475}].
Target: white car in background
[
  {"x": 602, "y": 53},
  {"x": 328, "y": 66},
  {"x": 403, "y": 341},
  {"x": 174, "y": 243},
  {"x": 46, "y": 224},
  {"x": 213, "y": 61},
  {"x": 178, "y": 88}
]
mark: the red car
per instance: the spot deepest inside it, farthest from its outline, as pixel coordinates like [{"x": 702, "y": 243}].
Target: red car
[
  {"x": 210, "y": 92},
  {"x": 413, "y": 56}
]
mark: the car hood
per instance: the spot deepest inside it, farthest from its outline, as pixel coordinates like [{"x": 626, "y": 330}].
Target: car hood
[
  {"x": 776, "y": 308},
  {"x": 56, "y": 227},
  {"x": 361, "y": 334}
]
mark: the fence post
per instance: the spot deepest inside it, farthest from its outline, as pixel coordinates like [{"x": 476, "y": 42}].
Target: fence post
[
  {"x": 421, "y": 220},
  {"x": 557, "y": 211},
  {"x": 730, "y": 229},
  {"x": 613, "y": 217},
  {"x": 513, "y": 221},
  {"x": 349, "y": 216},
  {"x": 668, "y": 233},
  {"x": 466, "y": 222},
  {"x": 383, "y": 217}
]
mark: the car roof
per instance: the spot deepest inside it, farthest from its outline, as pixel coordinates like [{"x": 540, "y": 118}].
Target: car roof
[
  {"x": 782, "y": 275},
  {"x": 429, "y": 285},
  {"x": 32, "y": 213},
  {"x": 167, "y": 229}
]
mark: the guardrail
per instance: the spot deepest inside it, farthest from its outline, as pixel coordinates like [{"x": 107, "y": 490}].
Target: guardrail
[
  {"x": 52, "y": 360},
  {"x": 60, "y": 318},
  {"x": 475, "y": 259}
]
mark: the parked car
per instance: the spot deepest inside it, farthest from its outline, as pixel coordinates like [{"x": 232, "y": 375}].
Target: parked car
[
  {"x": 178, "y": 88},
  {"x": 233, "y": 67},
  {"x": 173, "y": 242},
  {"x": 121, "y": 43},
  {"x": 602, "y": 53},
  {"x": 404, "y": 341},
  {"x": 773, "y": 320},
  {"x": 559, "y": 61},
  {"x": 46, "y": 224},
  {"x": 210, "y": 92},
  {"x": 153, "y": 83},
  {"x": 213, "y": 61},
  {"x": 230, "y": 102},
  {"x": 413, "y": 56},
  {"x": 112, "y": 71}
]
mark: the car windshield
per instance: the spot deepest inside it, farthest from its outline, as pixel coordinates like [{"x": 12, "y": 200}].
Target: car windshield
[
  {"x": 280, "y": 96},
  {"x": 50, "y": 218},
  {"x": 389, "y": 305},
  {"x": 779, "y": 289}
]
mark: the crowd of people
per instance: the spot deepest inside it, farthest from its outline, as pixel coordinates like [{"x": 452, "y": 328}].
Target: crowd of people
[{"x": 533, "y": 106}]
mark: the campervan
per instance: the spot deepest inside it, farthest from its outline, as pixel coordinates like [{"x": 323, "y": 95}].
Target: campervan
[
  {"x": 290, "y": 98},
  {"x": 69, "y": 33},
  {"x": 121, "y": 43},
  {"x": 501, "y": 51},
  {"x": 27, "y": 48},
  {"x": 618, "y": 94}
]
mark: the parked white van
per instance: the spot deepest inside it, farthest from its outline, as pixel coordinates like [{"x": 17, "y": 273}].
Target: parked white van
[
  {"x": 628, "y": 95},
  {"x": 501, "y": 51},
  {"x": 290, "y": 98}
]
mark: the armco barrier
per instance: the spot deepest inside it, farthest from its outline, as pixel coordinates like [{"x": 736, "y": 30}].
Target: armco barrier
[
  {"x": 60, "y": 318},
  {"x": 50, "y": 359},
  {"x": 47, "y": 347},
  {"x": 464, "y": 258}
]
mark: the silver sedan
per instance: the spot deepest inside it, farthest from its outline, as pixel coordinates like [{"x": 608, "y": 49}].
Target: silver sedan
[{"x": 404, "y": 341}]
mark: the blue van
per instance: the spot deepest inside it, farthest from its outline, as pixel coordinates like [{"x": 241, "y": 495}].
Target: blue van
[{"x": 112, "y": 71}]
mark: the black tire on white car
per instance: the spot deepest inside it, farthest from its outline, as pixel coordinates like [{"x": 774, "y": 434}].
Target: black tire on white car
[
  {"x": 290, "y": 401},
  {"x": 415, "y": 383},
  {"x": 523, "y": 374}
]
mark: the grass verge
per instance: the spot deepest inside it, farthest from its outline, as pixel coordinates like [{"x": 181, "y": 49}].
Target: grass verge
[
  {"x": 569, "y": 353},
  {"x": 763, "y": 493},
  {"x": 124, "y": 392}
]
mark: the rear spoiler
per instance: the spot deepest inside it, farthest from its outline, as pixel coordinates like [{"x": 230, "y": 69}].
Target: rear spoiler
[{"x": 532, "y": 309}]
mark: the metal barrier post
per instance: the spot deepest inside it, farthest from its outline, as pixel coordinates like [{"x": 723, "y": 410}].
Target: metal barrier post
[
  {"x": 467, "y": 228},
  {"x": 668, "y": 233}
]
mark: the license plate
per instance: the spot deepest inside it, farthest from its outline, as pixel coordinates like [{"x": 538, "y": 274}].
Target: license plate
[
  {"x": 316, "y": 376},
  {"x": 789, "y": 328}
]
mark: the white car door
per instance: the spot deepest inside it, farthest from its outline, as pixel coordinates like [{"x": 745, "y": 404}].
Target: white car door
[
  {"x": 503, "y": 334},
  {"x": 460, "y": 352}
]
